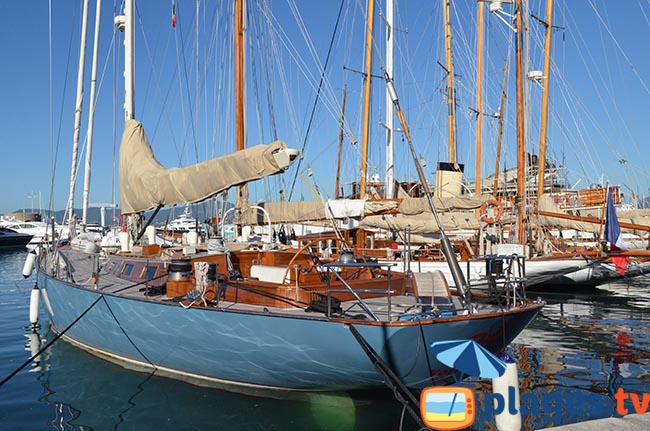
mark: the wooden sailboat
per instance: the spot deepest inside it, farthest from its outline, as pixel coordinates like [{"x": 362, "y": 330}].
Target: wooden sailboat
[{"x": 266, "y": 319}]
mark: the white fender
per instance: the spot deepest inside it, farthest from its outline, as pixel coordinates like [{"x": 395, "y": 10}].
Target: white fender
[
  {"x": 150, "y": 233},
  {"x": 29, "y": 264},
  {"x": 34, "y": 305},
  {"x": 192, "y": 238},
  {"x": 508, "y": 387},
  {"x": 125, "y": 240}
]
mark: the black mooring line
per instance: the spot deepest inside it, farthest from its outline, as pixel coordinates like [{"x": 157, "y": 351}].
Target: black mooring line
[
  {"x": 59, "y": 335},
  {"x": 401, "y": 392}
]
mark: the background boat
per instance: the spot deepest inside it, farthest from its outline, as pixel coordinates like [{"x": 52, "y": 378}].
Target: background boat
[{"x": 9, "y": 238}]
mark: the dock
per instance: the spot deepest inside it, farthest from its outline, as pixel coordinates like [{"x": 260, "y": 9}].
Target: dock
[{"x": 626, "y": 423}]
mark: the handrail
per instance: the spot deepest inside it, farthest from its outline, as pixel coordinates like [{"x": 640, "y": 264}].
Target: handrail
[{"x": 331, "y": 268}]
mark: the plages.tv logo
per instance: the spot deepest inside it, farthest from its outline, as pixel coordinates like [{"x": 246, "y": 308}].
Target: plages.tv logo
[{"x": 447, "y": 407}]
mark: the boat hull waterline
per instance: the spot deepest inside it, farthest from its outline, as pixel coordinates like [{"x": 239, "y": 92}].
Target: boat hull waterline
[{"x": 216, "y": 346}]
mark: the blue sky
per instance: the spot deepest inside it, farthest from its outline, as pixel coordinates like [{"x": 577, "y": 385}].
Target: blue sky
[{"x": 598, "y": 89}]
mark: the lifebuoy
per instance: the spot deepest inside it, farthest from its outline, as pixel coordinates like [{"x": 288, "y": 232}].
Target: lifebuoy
[{"x": 483, "y": 211}]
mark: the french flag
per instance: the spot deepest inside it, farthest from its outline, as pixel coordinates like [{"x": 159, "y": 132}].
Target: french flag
[{"x": 613, "y": 235}]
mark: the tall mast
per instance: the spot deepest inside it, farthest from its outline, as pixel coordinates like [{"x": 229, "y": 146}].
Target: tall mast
[
  {"x": 479, "y": 95},
  {"x": 521, "y": 151},
  {"x": 242, "y": 191},
  {"x": 390, "y": 121},
  {"x": 77, "y": 117},
  {"x": 500, "y": 138},
  {"x": 91, "y": 114},
  {"x": 338, "y": 164},
  {"x": 129, "y": 60},
  {"x": 127, "y": 24},
  {"x": 366, "y": 100},
  {"x": 541, "y": 166},
  {"x": 239, "y": 73},
  {"x": 451, "y": 95}
]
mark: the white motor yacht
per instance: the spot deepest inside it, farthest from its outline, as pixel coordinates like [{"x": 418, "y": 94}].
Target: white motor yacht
[{"x": 37, "y": 229}]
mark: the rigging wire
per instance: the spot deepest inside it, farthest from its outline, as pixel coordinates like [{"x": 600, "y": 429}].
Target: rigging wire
[
  {"x": 184, "y": 80},
  {"x": 608, "y": 100},
  {"x": 61, "y": 110},
  {"x": 313, "y": 111},
  {"x": 621, "y": 50}
]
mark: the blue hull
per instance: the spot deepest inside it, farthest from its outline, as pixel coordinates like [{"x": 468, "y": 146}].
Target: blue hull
[{"x": 221, "y": 347}]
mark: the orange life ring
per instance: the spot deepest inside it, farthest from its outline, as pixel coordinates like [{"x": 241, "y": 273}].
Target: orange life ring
[{"x": 483, "y": 211}]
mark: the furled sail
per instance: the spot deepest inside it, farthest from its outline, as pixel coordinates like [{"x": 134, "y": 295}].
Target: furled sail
[
  {"x": 422, "y": 223},
  {"x": 145, "y": 183}
]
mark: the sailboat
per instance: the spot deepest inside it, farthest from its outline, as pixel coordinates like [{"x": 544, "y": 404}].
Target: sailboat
[{"x": 260, "y": 319}]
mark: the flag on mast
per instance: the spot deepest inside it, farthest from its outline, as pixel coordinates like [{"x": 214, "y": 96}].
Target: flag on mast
[
  {"x": 614, "y": 236},
  {"x": 173, "y": 14}
]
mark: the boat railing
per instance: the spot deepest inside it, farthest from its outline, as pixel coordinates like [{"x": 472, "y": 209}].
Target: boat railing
[
  {"x": 335, "y": 269},
  {"x": 505, "y": 276}
]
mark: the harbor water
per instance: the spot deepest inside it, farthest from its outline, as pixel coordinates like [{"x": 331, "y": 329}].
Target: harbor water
[{"x": 572, "y": 361}]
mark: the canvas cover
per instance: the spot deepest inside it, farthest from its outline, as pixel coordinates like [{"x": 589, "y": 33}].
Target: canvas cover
[
  {"x": 295, "y": 212},
  {"x": 413, "y": 206},
  {"x": 422, "y": 223},
  {"x": 546, "y": 203},
  {"x": 284, "y": 212},
  {"x": 145, "y": 183}
]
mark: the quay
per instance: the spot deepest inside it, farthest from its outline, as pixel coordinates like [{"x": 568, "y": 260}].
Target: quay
[{"x": 626, "y": 423}]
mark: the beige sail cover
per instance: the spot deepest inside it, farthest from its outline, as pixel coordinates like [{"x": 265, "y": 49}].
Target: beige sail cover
[
  {"x": 547, "y": 203},
  {"x": 412, "y": 206},
  {"x": 285, "y": 212},
  {"x": 145, "y": 183},
  {"x": 422, "y": 223}
]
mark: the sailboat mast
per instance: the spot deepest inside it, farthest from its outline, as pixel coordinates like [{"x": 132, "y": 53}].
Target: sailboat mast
[
  {"x": 242, "y": 191},
  {"x": 521, "y": 151},
  {"x": 500, "y": 138},
  {"x": 390, "y": 118},
  {"x": 91, "y": 115},
  {"x": 366, "y": 99},
  {"x": 338, "y": 164},
  {"x": 77, "y": 118},
  {"x": 239, "y": 73},
  {"x": 129, "y": 60},
  {"x": 451, "y": 95},
  {"x": 541, "y": 166},
  {"x": 479, "y": 94}
]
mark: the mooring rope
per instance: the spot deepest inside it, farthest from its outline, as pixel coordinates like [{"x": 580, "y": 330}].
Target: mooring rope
[
  {"x": 74, "y": 322},
  {"x": 390, "y": 379},
  {"x": 55, "y": 339}
]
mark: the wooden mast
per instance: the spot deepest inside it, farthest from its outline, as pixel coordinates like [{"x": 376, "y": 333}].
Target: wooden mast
[
  {"x": 499, "y": 139},
  {"x": 451, "y": 96},
  {"x": 338, "y": 164},
  {"x": 366, "y": 100},
  {"x": 239, "y": 73},
  {"x": 479, "y": 95},
  {"x": 541, "y": 166},
  {"x": 242, "y": 191},
  {"x": 520, "y": 199}
]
